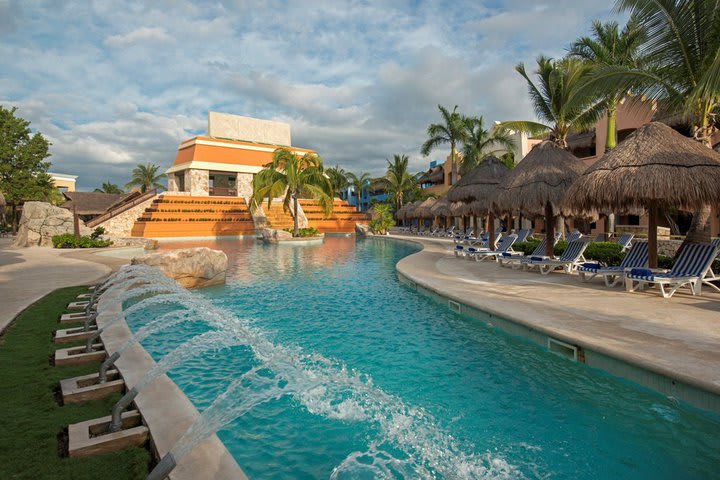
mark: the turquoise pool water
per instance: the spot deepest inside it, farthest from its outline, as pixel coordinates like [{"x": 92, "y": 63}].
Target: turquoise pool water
[{"x": 441, "y": 396}]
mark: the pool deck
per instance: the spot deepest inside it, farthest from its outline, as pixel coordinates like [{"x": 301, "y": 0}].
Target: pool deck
[{"x": 669, "y": 345}]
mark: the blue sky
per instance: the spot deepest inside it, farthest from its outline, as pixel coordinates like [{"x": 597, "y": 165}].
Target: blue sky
[{"x": 113, "y": 84}]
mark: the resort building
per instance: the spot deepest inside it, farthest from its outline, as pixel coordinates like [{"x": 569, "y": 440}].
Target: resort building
[
  {"x": 210, "y": 188},
  {"x": 63, "y": 182}
]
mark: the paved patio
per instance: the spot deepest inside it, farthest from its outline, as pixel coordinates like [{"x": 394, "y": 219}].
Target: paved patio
[{"x": 678, "y": 337}]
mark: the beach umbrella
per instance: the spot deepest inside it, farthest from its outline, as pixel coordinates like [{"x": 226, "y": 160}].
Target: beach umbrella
[
  {"x": 655, "y": 167},
  {"x": 441, "y": 209},
  {"x": 423, "y": 210},
  {"x": 480, "y": 188},
  {"x": 537, "y": 185}
]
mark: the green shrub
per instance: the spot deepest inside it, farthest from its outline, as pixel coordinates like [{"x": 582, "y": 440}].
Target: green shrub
[
  {"x": 97, "y": 233},
  {"x": 67, "y": 240},
  {"x": 609, "y": 253},
  {"x": 382, "y": 219},
  {"x": 526, "y": 247},
  {"x": 305, "y": 232}
]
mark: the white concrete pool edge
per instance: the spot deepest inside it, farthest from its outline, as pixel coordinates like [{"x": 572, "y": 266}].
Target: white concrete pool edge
[
  {"x": 165, "y": 409},
  {"x": 696, "y": 392}
]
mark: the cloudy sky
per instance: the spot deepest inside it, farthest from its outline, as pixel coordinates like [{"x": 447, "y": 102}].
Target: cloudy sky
[{"x": 113, "y": 84}]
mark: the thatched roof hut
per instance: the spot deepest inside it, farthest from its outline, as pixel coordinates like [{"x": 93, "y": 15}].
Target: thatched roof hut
[
  {"x": 441, "y": 208},
  {"x": 538, "y": 184},
  {"x": 407, "y": 211},
  {"x": 457, "y": 209},
  {"x": 654, "y": 167},
  {"x": 480, "y": 185},
  {"x": 423, "y": 210}
]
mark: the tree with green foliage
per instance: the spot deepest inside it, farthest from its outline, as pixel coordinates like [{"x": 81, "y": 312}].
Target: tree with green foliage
[
  {"x": 611, "y": 47},
  {"x": 23, "y": 169},
  {"x": 146, "y": 177},
  {"x": 359, "y": 184},
  {"x": 291, "y": 177},
  {"x": 508, "y": 158},
  {"x": 452, "y": 130},
  {"x": 382, "y": 219},
  {"x": 108, "y": 187},
  {"x": 338, "y": 179},
  {"x": 681, "y": 70},
  {"x": 398, "y": 182},
  {"x": 559, "y": 99},
  {"x": 481, "y": 143}
]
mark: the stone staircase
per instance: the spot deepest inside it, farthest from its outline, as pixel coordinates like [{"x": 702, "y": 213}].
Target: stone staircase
[
  {"x": 185, "y": 216},
  {"x": 341, "y": 220},
  {"x": 276, "y": 217}
]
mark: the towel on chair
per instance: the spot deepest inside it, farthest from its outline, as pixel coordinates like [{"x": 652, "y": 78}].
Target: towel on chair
[
  {"x": 641, "y": 272},
  {"x": 537, "y": 259},
  {"x": 593, "y": 266}
]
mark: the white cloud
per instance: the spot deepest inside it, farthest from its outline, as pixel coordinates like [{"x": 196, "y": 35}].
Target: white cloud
[{"x": 142, "y": 35}]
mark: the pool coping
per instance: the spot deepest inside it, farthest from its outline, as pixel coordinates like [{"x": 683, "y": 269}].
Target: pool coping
[
  {"x": 695, "y": 392},
  {"x": 165, "y": 409}
]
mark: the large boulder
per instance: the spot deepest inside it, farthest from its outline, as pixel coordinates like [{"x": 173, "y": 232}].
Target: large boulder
[
  {"x": 362, "y": 229},
  {"x": 41, "y": 220},
  {"x": 190, "y": 267},
  {"x": 270, "y": 235}
]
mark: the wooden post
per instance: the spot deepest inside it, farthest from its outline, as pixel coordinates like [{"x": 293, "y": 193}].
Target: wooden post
[
  {"x": 652, "y": 235},
  {"x": 549, "y": 231},
  {"x": 491, "y": 231},
  {"x": 76, "y": 223}
]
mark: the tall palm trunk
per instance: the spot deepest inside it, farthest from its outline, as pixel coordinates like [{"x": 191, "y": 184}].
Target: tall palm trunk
[
  {"x": 611, "y": 140},
  {"x": 453, "y": 159},
  {"x": 295, "y": 216}
]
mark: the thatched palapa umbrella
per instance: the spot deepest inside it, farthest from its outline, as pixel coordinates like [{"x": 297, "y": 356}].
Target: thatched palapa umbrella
[
  {"x": 423, "y": 210},
  {"x": 441, "y": 209},
  {"x": 480, "y": 188},
  {"x": 654, "y": 167},
  {"x": 539, "y": 182}
]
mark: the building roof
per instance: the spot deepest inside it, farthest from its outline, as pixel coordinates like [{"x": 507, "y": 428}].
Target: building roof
[
  {"x": 93, "y": 203},
  {"x": 212, "y": 153}
]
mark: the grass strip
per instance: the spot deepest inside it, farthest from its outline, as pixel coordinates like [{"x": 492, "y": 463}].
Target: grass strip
[{"x": 32, "y": 421}]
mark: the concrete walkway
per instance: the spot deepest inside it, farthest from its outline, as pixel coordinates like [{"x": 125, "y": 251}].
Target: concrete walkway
[
  {"x": 28, "y": 274},
  {"x": 678, "y": 338}
]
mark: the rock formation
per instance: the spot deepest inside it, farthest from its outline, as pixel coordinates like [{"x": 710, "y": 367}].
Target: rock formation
[
  {"x": 190, "y": 267},
  {"x": 41, "y": 220}
]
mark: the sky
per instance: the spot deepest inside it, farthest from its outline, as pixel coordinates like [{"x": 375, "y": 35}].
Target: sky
[{"x": 113, "y": 84}]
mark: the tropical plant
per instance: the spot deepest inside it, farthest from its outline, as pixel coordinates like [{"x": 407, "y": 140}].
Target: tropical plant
[
  {"x": 611, "y": 47},
  {"x": 23, "y": 169},
  {"x": 508, "y": 158},
  {"x": 382, "y": 219},
  {"x": 453, "y": 130},
  {"x": 398, "y": 181},
  {"x": 480, "y": 143},
  {"x": 359, "y": 184},
  {"x": 108, "y": 187},
  {"x": 290, "y": 176},
  {"x": 146, "y": 178},
  {"x": 338, "y": 179},
  {"x": 681, "y": 70},
  {"x": 559, "y": 99}
]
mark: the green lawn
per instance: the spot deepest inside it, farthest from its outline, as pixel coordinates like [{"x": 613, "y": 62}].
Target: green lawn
[{"x": 32, "y": 421}]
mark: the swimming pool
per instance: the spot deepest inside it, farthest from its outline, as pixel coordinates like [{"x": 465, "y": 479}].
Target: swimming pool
[{"x": 412, "y": 389}]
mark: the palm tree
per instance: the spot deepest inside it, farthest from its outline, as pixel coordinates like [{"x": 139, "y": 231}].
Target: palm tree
[
  {"x": 359, "y": 184},
  {"x": 681, "y": 70},
  {"x": 338, "y": 179},
  {"x": 453, "y": 130},
  {"x": 610, "y": 47},
  {"x": 108, "y": 187},
  {"x": 293, "y": 176},
  {"x": 559, "y": 99},
  {"x": 146, "y": 177},
  {"x": 398, "y": 182},
  {"x": 480, "y": 143}
]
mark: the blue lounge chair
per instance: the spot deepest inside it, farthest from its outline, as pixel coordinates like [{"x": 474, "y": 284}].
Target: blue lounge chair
[
  {"x": 637, "y": 257},
  {"x": 505, "y": 246},
  {"x": 625, "y": 240},
  {"x": 523, "y": 234},
  {"x": 574, "y": 235},
  {"x": 690, "y": 269},
  {"x": 516, "y": 261},
  {"x": 568, "y": 261}
]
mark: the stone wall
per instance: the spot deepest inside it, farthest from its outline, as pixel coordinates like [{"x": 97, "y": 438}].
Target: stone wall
[
  {"x": 668, "y": 247},
  {"x": 197, "y": 182},
  {"x": 121, "y": 225},
  {"x": 40, "y": 221},
  {"x": 244, "y": 186},
  {"x": 172, "y": 183},
  {"x": 225, "y": 125}
]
